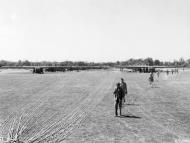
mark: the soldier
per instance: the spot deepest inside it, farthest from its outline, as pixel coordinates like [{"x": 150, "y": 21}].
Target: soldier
[
  {"x": 151, "y": 78},
  {"x": 118, "y": 99},
  {"x": 172, "y": 71},
  {"x": 124, "y": 88},
  {"x": 158, "y": 74},
  {"x": 167, "y": 72}
]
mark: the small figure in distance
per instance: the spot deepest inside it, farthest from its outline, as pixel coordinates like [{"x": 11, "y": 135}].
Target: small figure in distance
[
  {"x": 124, "y": 88},
  {"x": 151, "y": 78},
  {"x": 167, "y": 72},
  {"x": 158, "y": 74},
  {"x": 118, "y": 99},
  {"x": 172, "y": 71}
]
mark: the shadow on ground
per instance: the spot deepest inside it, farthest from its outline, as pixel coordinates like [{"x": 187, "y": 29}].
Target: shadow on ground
[
  {"x": 132, "y": 104},
  {"x": 129, "y": 116},
  {"x": 155, "y": 87}
]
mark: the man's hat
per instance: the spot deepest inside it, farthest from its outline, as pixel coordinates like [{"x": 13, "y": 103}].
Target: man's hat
[{"x": 122, "y": 79}]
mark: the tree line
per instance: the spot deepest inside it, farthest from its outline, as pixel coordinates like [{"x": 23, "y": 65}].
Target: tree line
[{"x": 147, "y": 61}]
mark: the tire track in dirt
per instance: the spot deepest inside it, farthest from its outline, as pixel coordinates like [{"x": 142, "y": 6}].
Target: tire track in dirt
[
  {"x": 61, "y": 129},
  {"x": 38, "y": 114},
  {"x": 30, "y": 106},
  {"x": 27, "y": 113}
]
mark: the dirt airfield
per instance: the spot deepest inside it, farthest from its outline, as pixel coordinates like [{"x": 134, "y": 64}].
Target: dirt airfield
[{"x": 78, "y": 107}]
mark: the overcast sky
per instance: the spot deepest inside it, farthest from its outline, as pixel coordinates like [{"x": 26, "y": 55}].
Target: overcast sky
[{"x": 94, "y": 30}]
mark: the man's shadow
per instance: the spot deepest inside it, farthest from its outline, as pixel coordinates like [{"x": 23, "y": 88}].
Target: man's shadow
[
  {"x": 131, "y": 104},
  {"x": 129, "y": 116},
  {"x": 155, "y": 87}
]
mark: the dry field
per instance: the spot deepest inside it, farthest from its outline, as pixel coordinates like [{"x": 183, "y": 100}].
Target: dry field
[{"x": 78, "y": 107}]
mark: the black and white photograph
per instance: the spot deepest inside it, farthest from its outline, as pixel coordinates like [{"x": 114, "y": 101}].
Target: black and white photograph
[{"x": 94, "y": 71}]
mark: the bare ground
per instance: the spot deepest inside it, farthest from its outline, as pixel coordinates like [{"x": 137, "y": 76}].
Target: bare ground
[{"x": 79, "y": 107}]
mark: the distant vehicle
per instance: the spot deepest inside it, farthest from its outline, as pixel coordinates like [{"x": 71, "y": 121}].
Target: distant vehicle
[{"x": 38, "y": 70}]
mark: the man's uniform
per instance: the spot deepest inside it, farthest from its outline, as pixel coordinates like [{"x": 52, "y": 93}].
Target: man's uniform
[
  {"x": 151, "y": 78},
  {"x": 124, "y": 90},
  {"x": 118, "y": 97}
]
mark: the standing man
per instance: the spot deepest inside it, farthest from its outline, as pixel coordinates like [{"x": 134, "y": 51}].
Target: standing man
[
  {"x": 124, "y": 88},
  {"x": 118, "y": 99},
  {"x": 158, "y": 74},
  {"x": 167, "y": 72},
  {"x": 151, "y": 78}
]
